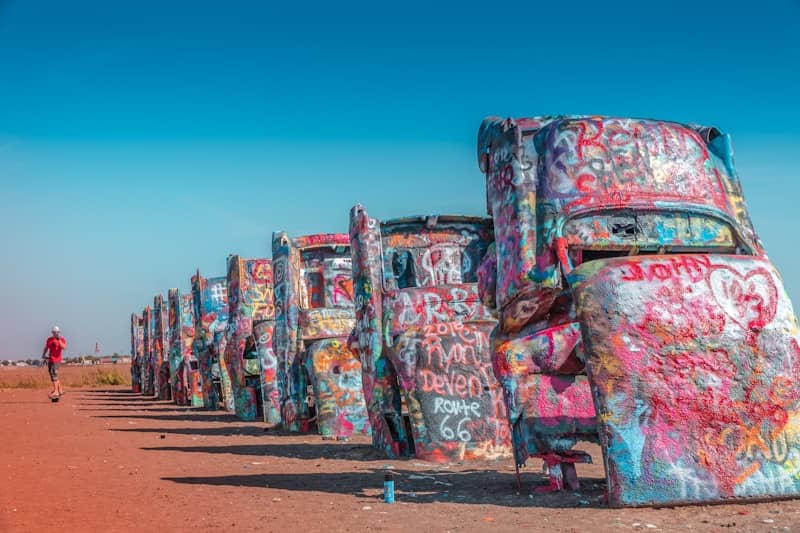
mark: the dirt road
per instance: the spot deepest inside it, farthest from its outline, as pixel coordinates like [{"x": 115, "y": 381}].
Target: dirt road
[{"x": 108, "y": 460}]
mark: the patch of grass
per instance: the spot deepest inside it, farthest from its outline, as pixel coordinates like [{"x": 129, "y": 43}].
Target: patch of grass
[
  {"x": 72, "y": 377},
  {"x": 22, "y": 382}
]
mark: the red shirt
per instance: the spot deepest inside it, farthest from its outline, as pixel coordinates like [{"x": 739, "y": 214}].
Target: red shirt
[{"x": 55, "y": 346}]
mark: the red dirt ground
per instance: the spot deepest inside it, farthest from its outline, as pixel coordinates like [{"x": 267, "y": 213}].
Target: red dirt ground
[{"x": 109, "y": 460}]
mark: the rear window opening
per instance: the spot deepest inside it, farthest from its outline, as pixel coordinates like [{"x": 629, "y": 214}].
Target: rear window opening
[
  {"x": 584, "y": 256},
  {"x": 620, "y": 233},
  {"x": 580, "y": 256},
  {"x": 326, "y": 274}
]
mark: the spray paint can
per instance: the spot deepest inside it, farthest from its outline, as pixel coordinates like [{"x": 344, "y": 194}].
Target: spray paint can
[{"x": 388, "y": 488}]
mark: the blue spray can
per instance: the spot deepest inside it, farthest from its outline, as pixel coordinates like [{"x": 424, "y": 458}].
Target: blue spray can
[{"x": 388, "y": 488}]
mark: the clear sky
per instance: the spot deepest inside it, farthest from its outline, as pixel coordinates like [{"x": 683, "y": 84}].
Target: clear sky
[{"x": 141, "y": 140}]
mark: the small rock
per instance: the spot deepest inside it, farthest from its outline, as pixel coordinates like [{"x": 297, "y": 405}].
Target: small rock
[
  {"x": 276, "y": 499},
  {"x": 650, "y": 526},
  {"x": 366, "y": 508},
  {"x": 768, "y": 521}
]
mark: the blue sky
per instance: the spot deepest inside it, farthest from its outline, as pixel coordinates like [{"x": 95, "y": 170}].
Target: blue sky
[{"x": 140, "y": 142}]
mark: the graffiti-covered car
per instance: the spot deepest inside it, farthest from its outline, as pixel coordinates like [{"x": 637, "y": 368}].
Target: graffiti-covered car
[
  {"x": 637, "y": 309},
  {"x": 422, "y": 335},
  {"x": 248, "y": 357},
  {"x": 184, "y": 370},
  {"x": 161, "y": 348},
  {"x": 148, "y": 369},
  {"x": 210, "y": 300},
  {"x": 137, "y": 352},
  {"x": 314, "y": 318}
]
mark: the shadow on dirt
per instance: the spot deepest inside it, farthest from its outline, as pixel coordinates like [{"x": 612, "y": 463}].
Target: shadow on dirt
[
  {"x": 427, "y": 484},
  {"x": 208, "y": 432},
  {"x": 155, "y": 408},
  {"x": 342, "y": 451},
  {"x": 133, "y": 400},
  {"x": 191, "y": 415},
  {"x": 136, "y": 406},
  {"x": 487, "y": 487},
  {"x": 113, "y": 391}
]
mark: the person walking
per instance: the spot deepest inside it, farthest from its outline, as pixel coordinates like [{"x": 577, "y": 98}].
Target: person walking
[{"x": 52, "y": 352}]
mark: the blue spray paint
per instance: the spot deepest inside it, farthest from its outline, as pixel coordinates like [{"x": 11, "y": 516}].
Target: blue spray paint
[{"x": 388, "y": 488}]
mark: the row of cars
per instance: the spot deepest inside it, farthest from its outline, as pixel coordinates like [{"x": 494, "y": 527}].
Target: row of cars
[{"x": 616, "y": 294}]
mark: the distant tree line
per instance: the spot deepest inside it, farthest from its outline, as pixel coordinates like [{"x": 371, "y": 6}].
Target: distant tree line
[{"x": 79, "y": 360}]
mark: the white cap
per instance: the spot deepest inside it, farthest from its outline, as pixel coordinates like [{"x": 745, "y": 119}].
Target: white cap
[{"x": 56, "y": 329}]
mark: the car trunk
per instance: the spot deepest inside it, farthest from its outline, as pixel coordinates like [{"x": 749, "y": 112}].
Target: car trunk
[{"x": 692, "y": 361}]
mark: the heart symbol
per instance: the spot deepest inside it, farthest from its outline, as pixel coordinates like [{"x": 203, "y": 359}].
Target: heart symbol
[{"x": 751, "y": 300}]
